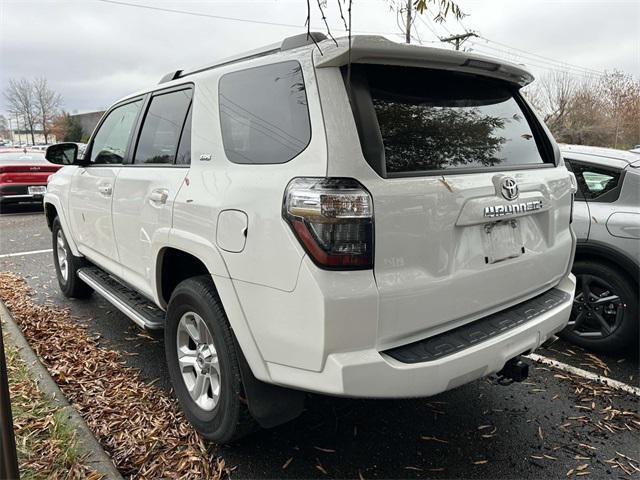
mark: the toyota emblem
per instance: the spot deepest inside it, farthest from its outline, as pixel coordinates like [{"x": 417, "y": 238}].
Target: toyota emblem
[{"x": 509, "y": 188}]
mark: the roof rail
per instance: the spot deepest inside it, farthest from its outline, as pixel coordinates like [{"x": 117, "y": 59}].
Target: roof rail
[
  {"x": 170, "y": 76},
  {"x": 301, "y": 40},
  {"x": 288, "y": 43}
]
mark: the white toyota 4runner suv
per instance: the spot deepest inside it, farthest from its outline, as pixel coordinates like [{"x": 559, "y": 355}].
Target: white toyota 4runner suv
[{"x": 365, "y": 220}]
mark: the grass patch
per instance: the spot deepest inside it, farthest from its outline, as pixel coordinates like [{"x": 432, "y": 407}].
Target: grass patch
[{"x": 46, "y": 441}]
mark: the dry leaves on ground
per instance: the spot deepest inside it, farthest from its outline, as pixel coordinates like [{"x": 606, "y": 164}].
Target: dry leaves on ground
[
  {"x": 140, "y": 425},
  {"x": 46, "y": 442}
]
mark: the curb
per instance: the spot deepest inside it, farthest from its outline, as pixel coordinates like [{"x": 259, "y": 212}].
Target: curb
[{"x": 96, "y": 457}]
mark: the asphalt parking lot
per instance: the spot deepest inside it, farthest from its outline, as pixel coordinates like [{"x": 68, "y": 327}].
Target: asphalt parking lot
[{"x": 541, "y": 428}]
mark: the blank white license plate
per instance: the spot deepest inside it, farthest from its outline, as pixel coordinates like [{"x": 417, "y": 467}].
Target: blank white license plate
[
  {"x": 37, "y": 190},
  {"x": 502, "y": 240}
]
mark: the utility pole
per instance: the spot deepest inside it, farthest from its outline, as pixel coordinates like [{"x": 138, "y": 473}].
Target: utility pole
[
  {"x": 458, "y": 40},
  {"x": 408, "y": 25}
]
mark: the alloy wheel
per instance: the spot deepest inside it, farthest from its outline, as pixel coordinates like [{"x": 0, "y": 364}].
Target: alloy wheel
[
  {"x": 198, "y": 361},
  {"x": 598, "y": 310},
  {"x": 61, "y": 250}
]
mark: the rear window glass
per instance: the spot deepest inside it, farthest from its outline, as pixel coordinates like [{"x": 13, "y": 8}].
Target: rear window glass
[
  {"x": 435, "y": 120},
  {"x": 17, "y": 157},
  {"x": 263, "y": 114}
]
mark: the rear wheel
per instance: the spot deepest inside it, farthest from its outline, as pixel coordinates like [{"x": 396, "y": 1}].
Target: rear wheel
[
  {"x": 605, "y": 309},
  {"x": 203, "y": 362},
  {"x": 67, "y": 265}
]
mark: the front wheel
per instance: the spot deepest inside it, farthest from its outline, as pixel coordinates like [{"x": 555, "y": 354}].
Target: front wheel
[
  {"x": 67, "y": 265},
  {"x": 604, "y": 316},
  {"x": 203, "y": 362}
]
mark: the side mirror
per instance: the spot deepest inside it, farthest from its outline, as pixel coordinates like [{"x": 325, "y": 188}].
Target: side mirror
[{"x": 62, "y": 153}]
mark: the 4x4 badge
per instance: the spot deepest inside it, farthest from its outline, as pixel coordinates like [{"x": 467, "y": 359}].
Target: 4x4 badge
[{"x": 509, "y": 188}]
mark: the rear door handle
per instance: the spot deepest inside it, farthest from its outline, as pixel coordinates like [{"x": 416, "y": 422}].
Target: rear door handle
[
  {"x": 105, "y": 189},
  {"x": 159, "y": 196}
]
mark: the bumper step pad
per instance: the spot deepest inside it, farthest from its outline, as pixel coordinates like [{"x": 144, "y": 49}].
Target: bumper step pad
[{"x": 463, "y": 337}]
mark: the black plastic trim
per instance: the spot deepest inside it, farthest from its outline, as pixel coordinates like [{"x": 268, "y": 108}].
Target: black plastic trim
[{"x": 461, "y": 338}]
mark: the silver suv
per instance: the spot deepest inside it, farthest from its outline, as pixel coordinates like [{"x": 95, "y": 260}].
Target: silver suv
[{"x": 607, "y": 264}]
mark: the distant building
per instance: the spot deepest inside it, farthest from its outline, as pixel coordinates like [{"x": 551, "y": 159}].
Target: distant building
[
  {"x": 88, "y": 121},
  {"x": 21, "y": 136}
]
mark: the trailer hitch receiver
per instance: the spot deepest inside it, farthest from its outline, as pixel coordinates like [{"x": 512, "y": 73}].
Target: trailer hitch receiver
[{"x": 515, "y": 370}]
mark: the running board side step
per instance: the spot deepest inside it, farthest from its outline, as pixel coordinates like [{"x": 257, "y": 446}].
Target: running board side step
[{"x": 142, "y": 311}]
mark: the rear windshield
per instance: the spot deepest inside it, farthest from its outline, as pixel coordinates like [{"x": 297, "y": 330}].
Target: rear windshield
[
  {"x": 437, "y": 120},
  {"x": 18, "y": 157}
]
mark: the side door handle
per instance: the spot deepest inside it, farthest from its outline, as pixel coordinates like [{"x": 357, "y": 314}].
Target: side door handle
[
  {"x": 158, "y": 197},
  {"x": 105, "y": 189}
]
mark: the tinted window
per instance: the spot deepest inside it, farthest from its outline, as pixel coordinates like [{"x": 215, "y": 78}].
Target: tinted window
[
  {"x": 18, "y": 157},
  {"x": 110, "y": 143},
  {"x": 184, "y": 149},
  {"x": 596, "y": 183},
  {"x": 435, "y": 120},
  {"x": 162, "y": 127},
  {"x": 263, "y": 114}
]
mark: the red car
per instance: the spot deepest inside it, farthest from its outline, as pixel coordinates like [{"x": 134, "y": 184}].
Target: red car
[{"x": 23, "y": 176}]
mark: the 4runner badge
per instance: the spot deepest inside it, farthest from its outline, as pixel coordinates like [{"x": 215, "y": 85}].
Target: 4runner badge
[{"x": 512, "y": 208}]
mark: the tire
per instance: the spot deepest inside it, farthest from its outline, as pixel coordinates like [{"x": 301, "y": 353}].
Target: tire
[
  {"x": 70, "y": 284},
  {"x": 603, "y": 278},
  {"x": 227, "y": 418}
]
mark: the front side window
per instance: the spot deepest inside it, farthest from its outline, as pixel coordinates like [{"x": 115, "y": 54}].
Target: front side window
[
  {"x": 437, "y": 120},
  {"x": 111, "y": 140},
  {"x": 263, "y": 114},
  {"x": 162, "y": 127}
]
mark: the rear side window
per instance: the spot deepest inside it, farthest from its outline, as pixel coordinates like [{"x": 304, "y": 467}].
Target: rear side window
[
  {"x": 432, "y": 120},
  {"x": 162, "y": 127},
  {"x": 263, "y": 114},
  {"x": 595, "y": 183}
]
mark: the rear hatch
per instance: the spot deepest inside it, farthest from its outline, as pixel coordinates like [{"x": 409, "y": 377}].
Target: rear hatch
[{"x": 471, "y": 211}]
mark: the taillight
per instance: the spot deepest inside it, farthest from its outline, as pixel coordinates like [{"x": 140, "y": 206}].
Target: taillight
[
  {"x": 574, "y": 189},
  {"x": 333, "y": 220}
]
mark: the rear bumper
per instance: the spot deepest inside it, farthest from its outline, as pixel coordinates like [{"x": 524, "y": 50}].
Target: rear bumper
[
  {"x": 17, "y": 193},
  {"x": 370, "y": 373},
  {"x": 26, "y": 198}
]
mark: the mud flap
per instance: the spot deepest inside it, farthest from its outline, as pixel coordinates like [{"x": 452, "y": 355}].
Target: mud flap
[{"x": 270, "y": 405}]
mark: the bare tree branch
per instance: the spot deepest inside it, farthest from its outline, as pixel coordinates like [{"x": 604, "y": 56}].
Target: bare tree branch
[
  {"x": 21, "y": 102},
  {"x": 344, "y": 21},
  {"x": 324, "y": 19},
  {"x": 308, "y": 25},
  {"x": 47, "y": 103}
]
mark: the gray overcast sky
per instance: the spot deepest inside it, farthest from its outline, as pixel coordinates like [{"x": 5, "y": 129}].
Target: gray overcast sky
[{"x": 94, "y": 52}]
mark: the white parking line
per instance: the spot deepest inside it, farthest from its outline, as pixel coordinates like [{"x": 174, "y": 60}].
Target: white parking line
[
  {"x": 20, "y": 254},
  {"x": 609, "y": 382}
]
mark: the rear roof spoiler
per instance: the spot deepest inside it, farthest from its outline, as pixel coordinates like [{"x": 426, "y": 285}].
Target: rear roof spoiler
[{"x": 376, "y": 49}]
